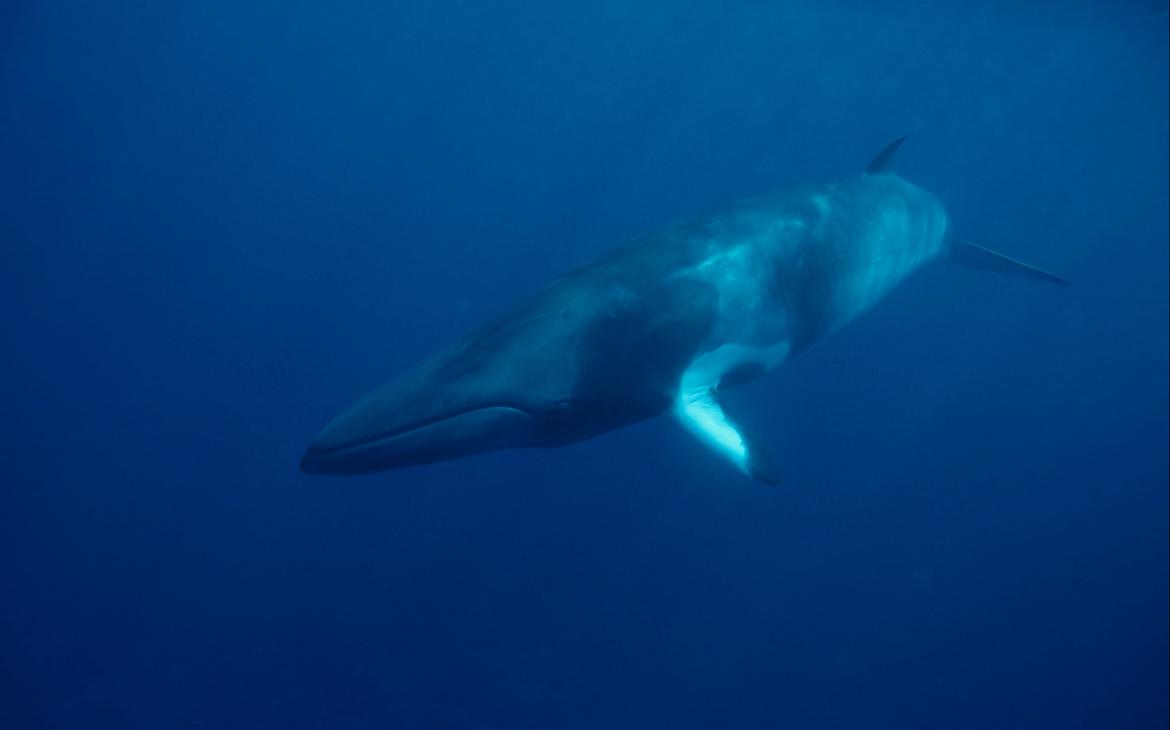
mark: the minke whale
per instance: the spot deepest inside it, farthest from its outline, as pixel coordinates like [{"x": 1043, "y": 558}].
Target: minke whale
[{"x": 666, "y": 322}]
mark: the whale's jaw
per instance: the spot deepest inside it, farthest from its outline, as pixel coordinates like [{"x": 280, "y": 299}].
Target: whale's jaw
[{"x": 360, "y": 442}]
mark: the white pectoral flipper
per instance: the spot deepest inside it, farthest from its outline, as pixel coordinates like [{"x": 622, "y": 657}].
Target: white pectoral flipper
[{"x": 701, "y": 413}]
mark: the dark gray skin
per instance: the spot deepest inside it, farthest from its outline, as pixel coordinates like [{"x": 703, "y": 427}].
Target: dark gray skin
[
  {"x": 582, "y": 357},
  {"x": 663, "y": 322}
]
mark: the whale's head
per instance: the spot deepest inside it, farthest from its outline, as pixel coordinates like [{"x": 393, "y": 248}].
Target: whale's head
[
  {"x": 492, "y": 390},
  {"x": 368, "y": 437},
  {"x": 564, "y": 367}
]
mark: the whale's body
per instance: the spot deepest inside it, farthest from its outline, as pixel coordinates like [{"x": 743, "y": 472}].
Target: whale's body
[{"x": 662, "y": 323}]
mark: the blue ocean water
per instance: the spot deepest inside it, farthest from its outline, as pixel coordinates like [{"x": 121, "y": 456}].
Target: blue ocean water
[{"x": 223, "y": 221}]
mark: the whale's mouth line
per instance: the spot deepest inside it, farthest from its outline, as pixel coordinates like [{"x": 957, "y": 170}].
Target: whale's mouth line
[{"x": 391, "y": 433}]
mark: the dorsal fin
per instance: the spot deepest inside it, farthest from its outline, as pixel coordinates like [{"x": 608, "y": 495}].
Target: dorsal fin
[{"x": 882, "y": 163}]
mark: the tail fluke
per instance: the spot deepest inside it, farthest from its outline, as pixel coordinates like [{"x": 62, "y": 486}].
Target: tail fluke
[{"x": 977, "y": 257}]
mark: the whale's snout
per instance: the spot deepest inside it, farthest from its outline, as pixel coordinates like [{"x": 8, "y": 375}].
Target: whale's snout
[
  {"x": 565, "y": 366},
  {"x": 371, "y": 436},
  {"x": 463, "y": 401}
]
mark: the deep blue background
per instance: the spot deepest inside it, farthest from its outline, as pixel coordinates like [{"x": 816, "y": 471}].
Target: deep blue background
[{"x": 221, "y": 223}]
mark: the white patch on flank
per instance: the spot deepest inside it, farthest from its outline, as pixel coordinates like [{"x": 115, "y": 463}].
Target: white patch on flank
[{"x": 895, "y": 246}]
